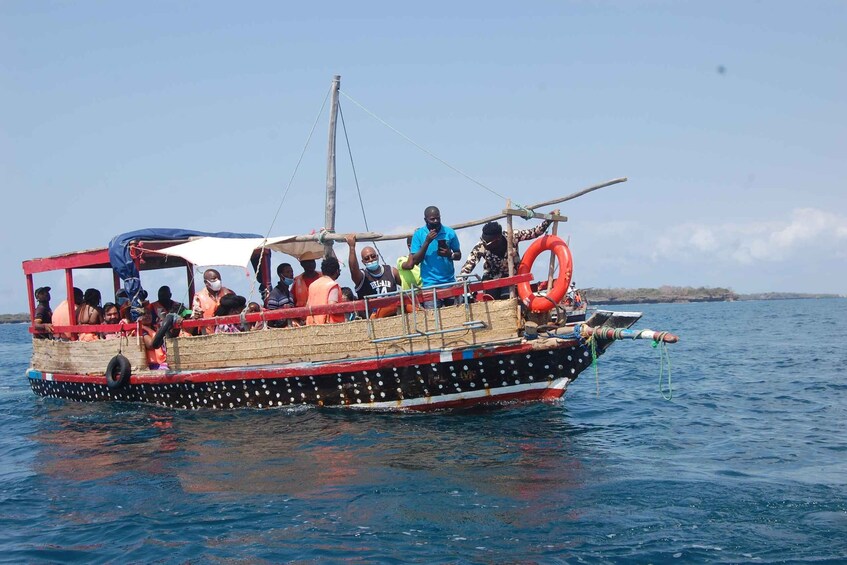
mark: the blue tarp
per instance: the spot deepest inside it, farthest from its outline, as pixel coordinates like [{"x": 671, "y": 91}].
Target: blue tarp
[{"x": 124, "y": 266}]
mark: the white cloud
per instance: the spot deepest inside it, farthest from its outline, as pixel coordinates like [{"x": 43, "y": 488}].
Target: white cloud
[{"x": 759, "y": 241}]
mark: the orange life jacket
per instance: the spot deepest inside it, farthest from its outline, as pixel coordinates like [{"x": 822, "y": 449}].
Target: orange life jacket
[
  {"x": 208, "y": 304},
  {"x": 300, "y": 288},
  {"x": 62, "y": 317},
  {"x": 319, "y": 292},
  {"x": 156, "y": 356}
]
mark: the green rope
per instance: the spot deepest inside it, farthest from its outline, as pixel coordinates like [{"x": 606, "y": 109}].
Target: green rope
[
  {"x": 530, "y": 214},
  {"x": 664, "y": 358},
  {"x": 593, "y": 343}
]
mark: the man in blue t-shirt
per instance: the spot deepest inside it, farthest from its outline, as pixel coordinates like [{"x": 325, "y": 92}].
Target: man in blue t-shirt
[{"x": 436, "y": 259}]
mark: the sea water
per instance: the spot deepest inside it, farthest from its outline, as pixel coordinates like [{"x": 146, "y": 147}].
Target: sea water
[{"x": 747, "y": 462}]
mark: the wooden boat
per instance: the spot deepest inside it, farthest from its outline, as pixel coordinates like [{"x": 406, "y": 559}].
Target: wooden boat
[{"x": 476, "y": 352}]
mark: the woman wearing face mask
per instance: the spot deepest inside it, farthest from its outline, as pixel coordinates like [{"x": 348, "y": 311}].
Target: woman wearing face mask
[
  {"x": 209, "y": 298},
  {"x": 375, "y": 278},
  {"x": 492, "y": 250}
]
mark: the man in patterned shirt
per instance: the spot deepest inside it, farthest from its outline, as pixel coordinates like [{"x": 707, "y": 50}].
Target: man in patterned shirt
[{"x": 492, "y": 250}]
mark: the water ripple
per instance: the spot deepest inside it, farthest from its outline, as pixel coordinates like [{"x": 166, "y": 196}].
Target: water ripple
[{"x": 745, "y": 464}]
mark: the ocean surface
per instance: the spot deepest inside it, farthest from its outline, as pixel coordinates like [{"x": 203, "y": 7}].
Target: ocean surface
[{"x": 746, "y": 463}]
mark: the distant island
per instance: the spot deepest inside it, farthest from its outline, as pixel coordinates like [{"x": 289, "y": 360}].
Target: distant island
[
  {"x": 663, "y": 294},
  {"x": 684, "y": 294}
]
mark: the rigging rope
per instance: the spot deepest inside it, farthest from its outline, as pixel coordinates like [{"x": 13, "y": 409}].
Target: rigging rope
[
  {"x": 356, "y": 178},
  {"x": 285, "y": 194},
  {"x": 297, "y": 166},
  {"x": 425, "y": 150}
]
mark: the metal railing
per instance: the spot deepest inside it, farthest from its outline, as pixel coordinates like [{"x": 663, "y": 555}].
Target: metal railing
[{"x": 415, "y": 332}]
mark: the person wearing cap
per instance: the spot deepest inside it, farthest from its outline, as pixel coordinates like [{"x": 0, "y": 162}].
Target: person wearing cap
[
  {"x": 492, "y": 249},
  {"x": 573, "y": 298},
  {"x": 43, "y": 319}
]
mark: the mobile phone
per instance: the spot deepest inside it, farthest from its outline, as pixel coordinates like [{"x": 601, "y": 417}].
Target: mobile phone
[{"x": 442, "y": 244}]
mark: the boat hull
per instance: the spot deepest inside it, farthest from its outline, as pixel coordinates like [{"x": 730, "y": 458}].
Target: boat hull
[{"x": 527, "y": 371}]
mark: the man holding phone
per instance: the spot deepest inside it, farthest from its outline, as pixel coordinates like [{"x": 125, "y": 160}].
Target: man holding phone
[{"x": 436, "y": 261}]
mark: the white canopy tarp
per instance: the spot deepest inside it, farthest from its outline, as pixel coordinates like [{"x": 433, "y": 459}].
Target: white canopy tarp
[{"x": 219, "y": 251}]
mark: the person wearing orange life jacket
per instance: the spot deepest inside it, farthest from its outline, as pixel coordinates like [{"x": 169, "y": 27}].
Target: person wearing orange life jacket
[
  {"x": 209, "y": 298},
  {"x": 62, "y": 315},
  {"x": 156, "y": 358},
  {"x": 324, "y": 291},
  {"x": 302, "y": 282}
]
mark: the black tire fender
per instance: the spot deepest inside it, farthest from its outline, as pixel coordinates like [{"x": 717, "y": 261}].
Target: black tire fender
[
  {"x": 160, "y": 336},
  {"x": 117, "y": 372}
]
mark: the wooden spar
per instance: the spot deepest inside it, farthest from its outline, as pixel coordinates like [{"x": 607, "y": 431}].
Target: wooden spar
[
  {"x": 528, "y": 215},
  {"x": 382, "y": 237},
  {"x": 376, "y": 236},
  {"x": 609, "y": 334},
  {"x": 329, "y": 221},
  {"x": 510, "y": 250}
]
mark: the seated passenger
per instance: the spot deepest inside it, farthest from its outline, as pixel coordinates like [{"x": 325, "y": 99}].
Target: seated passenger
[
  {"x": 231, "y": 305},
  {"x": 62, "y": 315},
  {"x": 156, "y": 358},
  {"x": 348, "y": 296},
  {"x": 112, "y": 315},
  {"x": 254, "y": 308},
  {"x": 325, "y": 291},
  {"x": 89, "y": 313},
  {"x": 165, "y": 305},
  {"x": 280, "y": 296},
  {"x": 209, "y": 298}
]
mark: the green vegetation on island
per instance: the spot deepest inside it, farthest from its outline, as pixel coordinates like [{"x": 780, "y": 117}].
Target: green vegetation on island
[
  {"x": 13, "y": 318},
  {"x": 656, "y": 295}
]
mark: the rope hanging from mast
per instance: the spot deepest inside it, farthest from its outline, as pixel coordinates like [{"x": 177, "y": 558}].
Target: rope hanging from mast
[
  {"x": 356, "y": 178},
  {"x": 287, "y": 188},
  {"x": 424, "y": 149}
]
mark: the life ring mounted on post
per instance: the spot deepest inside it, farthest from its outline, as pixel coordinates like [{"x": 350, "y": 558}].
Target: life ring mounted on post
[{"x": 559, "y": 248}]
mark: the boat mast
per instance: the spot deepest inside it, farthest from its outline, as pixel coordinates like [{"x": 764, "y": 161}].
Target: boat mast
[{"x": 329, "y": 221}]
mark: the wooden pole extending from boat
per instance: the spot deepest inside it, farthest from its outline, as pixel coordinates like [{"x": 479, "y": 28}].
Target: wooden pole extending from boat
[
  {"x": 510, "y": 249},
  {"x": 376, "y": 236},
  {"x": 479, "y": 222},
  {"x": 329, "y": 221}
]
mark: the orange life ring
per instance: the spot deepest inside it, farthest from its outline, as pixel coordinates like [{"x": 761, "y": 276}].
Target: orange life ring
[{"x": 560, "y": 249}]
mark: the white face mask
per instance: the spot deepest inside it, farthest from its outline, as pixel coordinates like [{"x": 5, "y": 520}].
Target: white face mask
[{"x": 214, "y": 285}]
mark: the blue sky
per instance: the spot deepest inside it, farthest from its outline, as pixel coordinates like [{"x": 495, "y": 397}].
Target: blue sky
[{"x": 727, "y": 117}]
